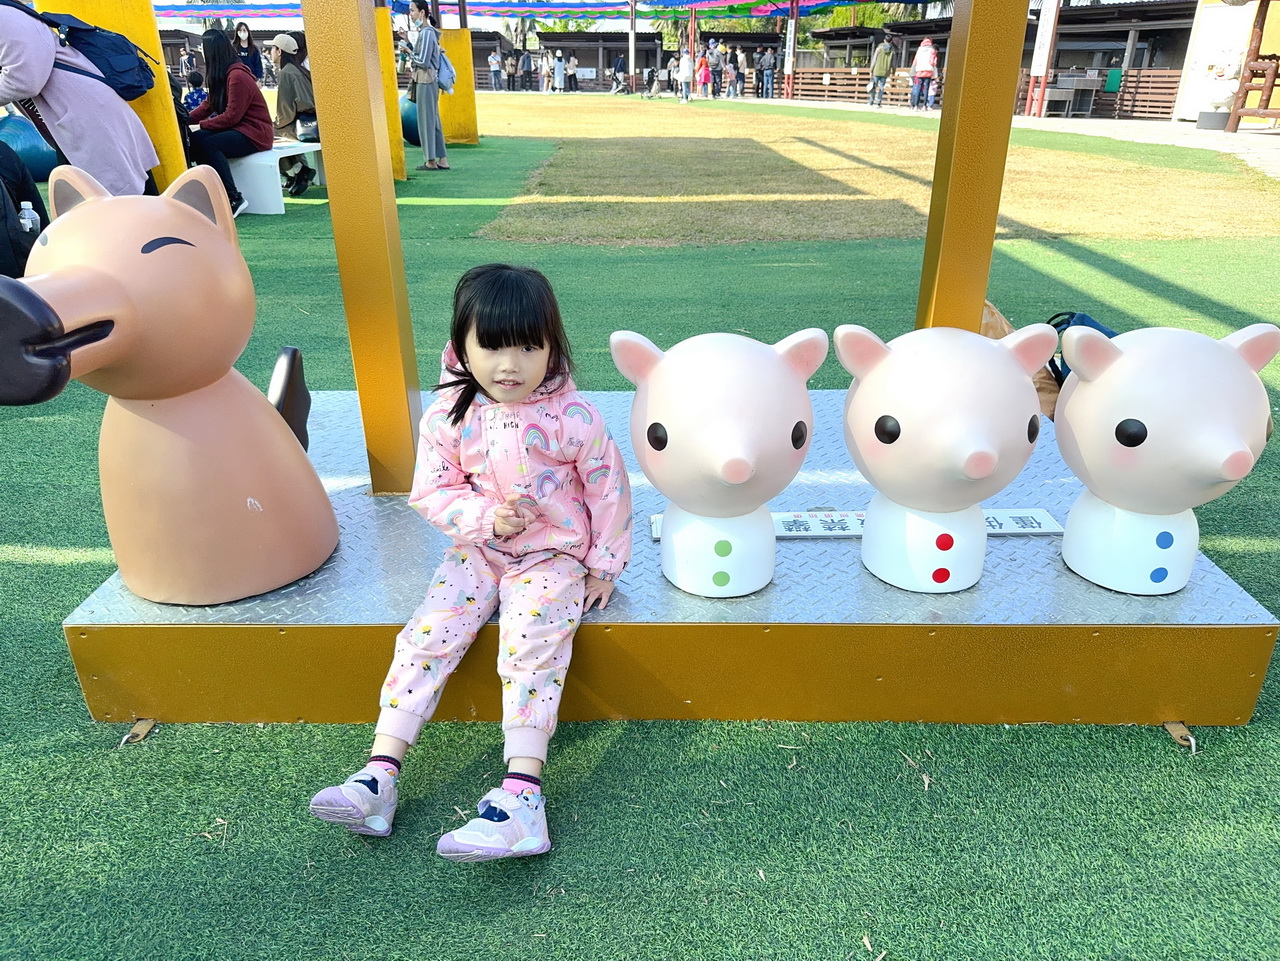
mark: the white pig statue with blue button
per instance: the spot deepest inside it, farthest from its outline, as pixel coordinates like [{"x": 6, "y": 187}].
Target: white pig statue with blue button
[
  {"x": 1156, "y": 422},
  {"x": 938, "y": 420},
  {"x": 720, "y": 424}
]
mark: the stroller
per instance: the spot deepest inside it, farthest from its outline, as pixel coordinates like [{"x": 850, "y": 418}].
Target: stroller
[{"x": 652, "y": 85}]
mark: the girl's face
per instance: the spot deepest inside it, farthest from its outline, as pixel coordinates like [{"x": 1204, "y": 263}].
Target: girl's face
[
  {"x": 507, "y": 375},
  {"x": 275, "y": 56},
  {"x": 243, "y": 33}
]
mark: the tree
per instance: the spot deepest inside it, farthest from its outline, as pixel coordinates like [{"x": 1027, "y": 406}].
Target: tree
[{"x": 518, "y": 29}]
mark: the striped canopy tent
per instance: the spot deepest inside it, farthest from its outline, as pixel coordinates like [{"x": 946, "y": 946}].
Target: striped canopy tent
[{"x": 542, "y": 9}]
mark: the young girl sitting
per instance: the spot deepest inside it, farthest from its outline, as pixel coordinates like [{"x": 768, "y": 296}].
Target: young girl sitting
[{"x": 520, "y": 472}]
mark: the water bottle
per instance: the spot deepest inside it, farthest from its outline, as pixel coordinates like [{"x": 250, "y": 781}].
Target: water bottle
[{"x": 28, "y": 218}]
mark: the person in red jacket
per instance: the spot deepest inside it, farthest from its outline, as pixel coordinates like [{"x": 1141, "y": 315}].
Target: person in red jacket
[{"x": 234, "y": 121}]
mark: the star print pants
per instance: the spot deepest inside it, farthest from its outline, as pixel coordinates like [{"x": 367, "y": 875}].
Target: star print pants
[{"x": 539, "y": 597}]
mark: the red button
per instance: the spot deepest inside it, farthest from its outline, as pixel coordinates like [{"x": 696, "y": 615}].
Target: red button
[
  {"x": 941, "y": 575},
  {"x": 946, "y": 542}
]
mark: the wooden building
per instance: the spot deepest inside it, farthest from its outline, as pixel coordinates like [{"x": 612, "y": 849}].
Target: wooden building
[{"x": 597, "y": 51}]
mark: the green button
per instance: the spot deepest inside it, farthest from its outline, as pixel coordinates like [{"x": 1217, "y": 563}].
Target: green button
[
  {"x": 724, "y": 549},
  {"x": 719, "y": 578}
]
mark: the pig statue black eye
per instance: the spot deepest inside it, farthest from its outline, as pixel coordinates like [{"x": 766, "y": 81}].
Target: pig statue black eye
[
  {"x": 799, "y": 434},
  {"x": 1130, "y": 432},
  {"x": 656, "y": 435},
  {"x": 1033, "y": 428},
  {"x": 888, "y": 429}
]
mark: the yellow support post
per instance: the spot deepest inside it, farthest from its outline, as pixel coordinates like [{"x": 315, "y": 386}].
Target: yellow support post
[
  {"x": 137, "y": 20},
  {"x": 343, "y": 37},
  {"x": 983, "y": 56},
  {"x": 391, "y": 90},
  {"x": 458, "y": 110}
]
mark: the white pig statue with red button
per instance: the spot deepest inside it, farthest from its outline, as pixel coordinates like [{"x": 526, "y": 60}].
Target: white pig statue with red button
[
  {"x": 1156, "y": 422},
  {"x": 720, "y": 424},
  {"x": 938, "y": 420}
]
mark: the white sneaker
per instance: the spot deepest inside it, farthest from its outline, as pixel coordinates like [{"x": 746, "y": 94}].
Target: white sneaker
[
  {"x": 364, "y": 804},
  {"x": 509, "y": 826}
]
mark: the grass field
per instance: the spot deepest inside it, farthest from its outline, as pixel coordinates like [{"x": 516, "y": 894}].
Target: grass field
[{"x": 698, "y": 841}]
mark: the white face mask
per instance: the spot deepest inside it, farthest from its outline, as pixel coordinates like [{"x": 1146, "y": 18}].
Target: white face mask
[{"x": 244, "y": 34}]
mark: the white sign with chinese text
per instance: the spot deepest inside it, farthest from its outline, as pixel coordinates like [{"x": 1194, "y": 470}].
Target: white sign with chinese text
[{"x": 1005, "y": 520}]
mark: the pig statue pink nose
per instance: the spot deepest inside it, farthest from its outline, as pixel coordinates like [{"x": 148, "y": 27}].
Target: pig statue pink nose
[
  {"x": 980, "y": 464},
  {"x": 1237, "y": 465},
  {"x": 736, "y": 470}
]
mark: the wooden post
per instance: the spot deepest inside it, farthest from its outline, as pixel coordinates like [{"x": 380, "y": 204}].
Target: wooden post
[
  {"x": 973, "y": 140},
  {"x": 631, "y": 48},
  {"x": 1246, "y": 75},
  {"x": 137, "y": 20},
  {"x": 462, "y": 14},
  {"x": 343, "y": 43}
]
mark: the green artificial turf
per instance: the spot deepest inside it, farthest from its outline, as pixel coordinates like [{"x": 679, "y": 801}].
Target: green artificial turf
[{"x": 673, "y": 840}]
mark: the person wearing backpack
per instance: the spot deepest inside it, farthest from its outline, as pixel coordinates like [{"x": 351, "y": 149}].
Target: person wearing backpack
[
  {"x": 426, "y": 62},
  {"x": 94, "y": 128},
  {"x": 234, "y": 121}
]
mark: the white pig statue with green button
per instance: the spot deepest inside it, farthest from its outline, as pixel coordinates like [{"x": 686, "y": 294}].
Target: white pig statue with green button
[{"x": 720, "y": 424}]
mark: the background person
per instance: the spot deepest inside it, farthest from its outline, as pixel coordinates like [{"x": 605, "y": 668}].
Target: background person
[
  {"x": 571, "y": 72},
  {"x": 881, "y": 67},
  {"x": 95, "y": 129},
  {"x": 426, "y": 73},
  {"x": 247, "y": 51},
  {"x": 923, "y": 69},
  {"x": 295, "y": 98},
  {"x": 495, "y": 70},
  {"x": 234, "y": 121}
]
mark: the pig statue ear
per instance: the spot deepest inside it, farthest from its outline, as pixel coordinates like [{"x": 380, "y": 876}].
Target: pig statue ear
[
  {"x": 1031, "y": 346},
  {"x": 201, "y": 189},
  {"x": 634, "y": 355},
  {"x": 1088, "y": 352},
  {"x": 1257, "y": 344},
  {"x": 70, "y": 187},
  {"x": 804, "y": 351},
  {"x": 859, "y": 350}
]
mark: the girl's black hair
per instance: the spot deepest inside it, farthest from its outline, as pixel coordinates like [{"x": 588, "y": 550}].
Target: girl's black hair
[
  {"x": 507, "y": 307},
  {"x": 219, "y": 56}
]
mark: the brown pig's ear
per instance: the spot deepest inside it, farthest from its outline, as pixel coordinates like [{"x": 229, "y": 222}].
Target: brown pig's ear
[
  {"x": 70, "y": 187},
  {"x": 201, "y": 189}
]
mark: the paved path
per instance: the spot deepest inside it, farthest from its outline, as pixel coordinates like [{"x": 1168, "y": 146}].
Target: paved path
[{"x": 1256, "y": 145}]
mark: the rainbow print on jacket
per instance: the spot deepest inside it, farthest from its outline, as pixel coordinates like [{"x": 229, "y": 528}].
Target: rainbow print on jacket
[
  {"x": 580, "y": 411},
  {"x": 596, "y": 474},
  {"x": 535, "y": 436},
  {"x": 547, "y": 483}
]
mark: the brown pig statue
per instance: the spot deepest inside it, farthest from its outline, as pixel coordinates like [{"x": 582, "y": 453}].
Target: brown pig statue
[{"x": 208, "y": 495}]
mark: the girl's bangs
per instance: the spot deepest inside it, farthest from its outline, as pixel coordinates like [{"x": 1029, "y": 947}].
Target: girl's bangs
[{"x": 517, "y": 321}]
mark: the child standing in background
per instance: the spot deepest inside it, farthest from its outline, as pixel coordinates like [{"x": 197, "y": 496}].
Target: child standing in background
[
  {"x": 198, "y": 95},
  {"x": 519, "y": 470}
]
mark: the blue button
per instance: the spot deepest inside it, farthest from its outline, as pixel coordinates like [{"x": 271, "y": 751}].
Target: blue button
[
  {"x": 1159, "y": 574},
  {"x": 1164, "y": 540}
]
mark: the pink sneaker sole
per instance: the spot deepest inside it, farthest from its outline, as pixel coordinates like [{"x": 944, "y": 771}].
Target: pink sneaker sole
[{"x": 335, "y": 807}]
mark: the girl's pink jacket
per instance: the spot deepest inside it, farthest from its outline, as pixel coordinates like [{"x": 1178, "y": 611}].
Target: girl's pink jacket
[{"x": 553, "y": 450}]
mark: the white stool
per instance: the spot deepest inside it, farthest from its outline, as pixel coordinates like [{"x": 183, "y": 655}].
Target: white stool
[{"x": 257, "y": 175}]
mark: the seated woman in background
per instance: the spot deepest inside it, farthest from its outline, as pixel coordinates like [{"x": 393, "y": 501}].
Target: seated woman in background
[
  {"x": 295, "y": 100},
  {"x": 234, "y": 121}
]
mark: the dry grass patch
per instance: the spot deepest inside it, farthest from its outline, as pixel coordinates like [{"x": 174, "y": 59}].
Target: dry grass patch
[{"x": 630, "y": 171}]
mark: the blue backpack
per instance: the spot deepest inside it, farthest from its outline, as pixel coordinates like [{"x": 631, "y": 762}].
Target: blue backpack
[
  {"x": 1061, "y": 323},
  {"x": 119, "y": 59}
]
